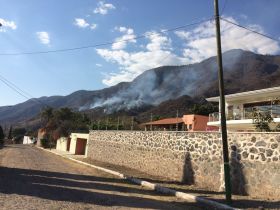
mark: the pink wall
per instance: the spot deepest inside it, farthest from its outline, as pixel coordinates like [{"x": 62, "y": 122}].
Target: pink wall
[{"x": 198, "y": 122}]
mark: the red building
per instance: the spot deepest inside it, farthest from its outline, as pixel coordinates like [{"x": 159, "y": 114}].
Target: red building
[{"x": 190, "y": 122}]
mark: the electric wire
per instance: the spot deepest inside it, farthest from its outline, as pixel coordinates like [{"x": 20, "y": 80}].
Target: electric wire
[
  {"x": 10, "y": 86},
  {"x": 253, "y": 31},
  {"x": 29, "y": 96},
  {"x": 21, "y": 92},
  {"x": 11, "y": 83},
  {"x": 106, "y": 43}
]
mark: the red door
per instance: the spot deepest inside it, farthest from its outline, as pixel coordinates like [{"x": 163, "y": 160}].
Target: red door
[{"x": 80, "y": 146}]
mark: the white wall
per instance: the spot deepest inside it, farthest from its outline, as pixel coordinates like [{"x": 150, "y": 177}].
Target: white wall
[
  {"x": 61, "y": 144},
  {"x": 74, "y": 137},
  {"x": 72, "y": 149},
  {"x": 28, "y": 140}
]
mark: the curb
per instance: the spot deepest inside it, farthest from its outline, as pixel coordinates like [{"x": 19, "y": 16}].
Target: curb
[{"x": 149, "y": 185}]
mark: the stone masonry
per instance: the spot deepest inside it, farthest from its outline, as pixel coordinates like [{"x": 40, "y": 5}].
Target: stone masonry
[{"x": 195, "y": 157}]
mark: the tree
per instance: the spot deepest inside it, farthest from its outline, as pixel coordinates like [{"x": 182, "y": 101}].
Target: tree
[
  {"x": 47, "y": 113},
  {"x": 10, "y": 132},
  {"x": 157, "y": 117},
  {"x": 204, "y": 109},
  {"x": 62, "y": 122},
  {"x": 261, "y": 121},
  {"x": 2, "y": 136},
  {"x": 18, "y": 134}
]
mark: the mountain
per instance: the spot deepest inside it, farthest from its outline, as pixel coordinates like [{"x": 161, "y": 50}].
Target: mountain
[{"x": 243, "y": 71}]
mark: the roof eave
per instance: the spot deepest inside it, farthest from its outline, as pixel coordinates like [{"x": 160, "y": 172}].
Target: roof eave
[
  {"x": 245, "y": 94},
  {"x": 213, "y": 99}
]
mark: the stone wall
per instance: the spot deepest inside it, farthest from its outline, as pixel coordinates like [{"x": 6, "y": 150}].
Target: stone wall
[{"x": 195, "y": 158}]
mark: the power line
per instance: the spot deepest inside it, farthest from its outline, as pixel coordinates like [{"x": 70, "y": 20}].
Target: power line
[
  {"x": 106, "y": 43},
  {"x": 29, "y": 96},
  {"x": 20, "y": 91},
  {"x": 248, "y": 29},
  {"x": 6, "y": 83}
]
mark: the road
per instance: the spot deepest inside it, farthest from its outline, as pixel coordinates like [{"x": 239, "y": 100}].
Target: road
[{"x": 34, "y": 179}]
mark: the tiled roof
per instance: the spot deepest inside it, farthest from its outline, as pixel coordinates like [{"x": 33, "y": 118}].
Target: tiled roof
[{"x": 166, "y": 121}]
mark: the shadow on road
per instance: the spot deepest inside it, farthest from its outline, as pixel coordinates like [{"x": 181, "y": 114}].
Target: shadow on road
[
  {"x": 253, "y": 204},
  {"x": 77, "y": 188}
]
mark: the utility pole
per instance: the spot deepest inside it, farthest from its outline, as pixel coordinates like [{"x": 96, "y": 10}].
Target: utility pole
[
  {"x": 177, "y": 115},
  {"x": 222, "y": 105},
  {"x": 151, "y": 126},
  {"x": 106, "y": 123},
  {"x": 118, "y": 123},
  {"x": 132, "y": 122}
]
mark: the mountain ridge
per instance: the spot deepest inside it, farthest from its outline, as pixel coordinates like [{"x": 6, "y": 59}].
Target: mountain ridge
[{"x": 243, "y": 71}]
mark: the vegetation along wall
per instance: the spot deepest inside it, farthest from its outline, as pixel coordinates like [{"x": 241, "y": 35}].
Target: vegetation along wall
[{"x": 195, "y": 157}]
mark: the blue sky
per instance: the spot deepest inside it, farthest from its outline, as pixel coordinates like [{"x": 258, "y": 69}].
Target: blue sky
[{"x": 37, "y": 25}]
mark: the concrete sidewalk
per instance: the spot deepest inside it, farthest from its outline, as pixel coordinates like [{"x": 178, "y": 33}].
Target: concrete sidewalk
[{"x": 66, "y": 154}]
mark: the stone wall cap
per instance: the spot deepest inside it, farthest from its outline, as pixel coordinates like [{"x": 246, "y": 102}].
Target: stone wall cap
[
  {"x": 188, "y": 132},
  {"x": 154, "y": 131}
]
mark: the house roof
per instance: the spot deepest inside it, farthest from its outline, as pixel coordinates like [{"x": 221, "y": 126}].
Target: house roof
[
  {"x": 268, "y": 92},
  {"x": 166, "y": 121}
]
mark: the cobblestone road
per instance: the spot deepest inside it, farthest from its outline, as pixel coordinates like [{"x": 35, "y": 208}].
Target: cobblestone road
[{"x": 33, "y": 179}]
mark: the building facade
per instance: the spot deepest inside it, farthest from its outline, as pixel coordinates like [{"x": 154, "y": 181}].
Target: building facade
[
  {"x": 240, "y": 108},
  {"x": 191, "y": 122},
  {"x": 79, "y": 143}
]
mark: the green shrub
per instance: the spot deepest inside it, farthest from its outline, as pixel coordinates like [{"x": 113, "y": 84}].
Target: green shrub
[
  {"x": 18, "y": 139},
  {"x": 261, "y": 121},
  {"x": 45, "y": 143}
]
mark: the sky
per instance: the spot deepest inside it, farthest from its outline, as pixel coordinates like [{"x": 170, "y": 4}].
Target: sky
[{"x": 40, "y": 26}]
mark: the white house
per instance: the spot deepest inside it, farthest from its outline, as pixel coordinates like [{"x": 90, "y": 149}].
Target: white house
[
  {"x": 79, "y": 143},
  {"x": 28, "y": 140},
  {"x": 62, "y": 144},
  {"x": 240, "y": 107}
]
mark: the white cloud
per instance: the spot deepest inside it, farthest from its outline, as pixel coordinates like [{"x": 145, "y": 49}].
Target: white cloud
[
  {"x": 157, "y": 41},
  {"x": 93, "y": 26},
  {"x": 134, "y": 64},
  {"x": 183, "y": 34},
  {"x": 128, "y": 37},
  {"x": 199, "y": 43},
  {"x": 6, "y": 24},
  {"x": 81, "y": 23},
  {"x": 103, "y": 8},
  {"x": 43, "y": 36},
  {"x": 98, "y": 65},
  {"x": 156, "y": 53}
]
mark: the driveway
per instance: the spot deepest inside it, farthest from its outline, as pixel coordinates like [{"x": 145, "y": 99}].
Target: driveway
[{"x": 33, "y": 179}]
